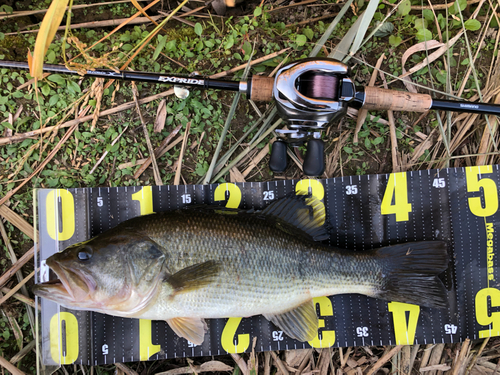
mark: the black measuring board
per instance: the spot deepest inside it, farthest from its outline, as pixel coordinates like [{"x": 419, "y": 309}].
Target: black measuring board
[{"x": 456, "y": 205}]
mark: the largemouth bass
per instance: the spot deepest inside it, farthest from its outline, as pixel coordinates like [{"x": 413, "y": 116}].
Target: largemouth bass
[{"x": 196, "y": 263}]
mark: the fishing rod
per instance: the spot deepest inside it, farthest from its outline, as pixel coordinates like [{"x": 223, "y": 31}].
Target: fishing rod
[{"x": 310, "y": 94}]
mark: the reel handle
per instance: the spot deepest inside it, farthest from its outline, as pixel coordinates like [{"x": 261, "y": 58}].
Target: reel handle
[
  {"x": 278, "y": 159},
  {"x": 314, "y": 163},
  {"x": 383, "y": 99}
]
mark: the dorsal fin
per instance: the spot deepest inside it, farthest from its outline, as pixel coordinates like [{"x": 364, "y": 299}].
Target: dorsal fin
[{"x": 302, "y": 212}]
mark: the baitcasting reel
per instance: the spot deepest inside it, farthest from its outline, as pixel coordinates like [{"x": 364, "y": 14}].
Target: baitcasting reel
[{"x": 310, "y": 94}]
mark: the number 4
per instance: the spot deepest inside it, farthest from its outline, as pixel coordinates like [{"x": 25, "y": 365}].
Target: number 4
[{"x": 397, "y": 188}]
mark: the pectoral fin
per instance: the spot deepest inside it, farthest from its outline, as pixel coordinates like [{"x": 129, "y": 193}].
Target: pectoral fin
[
  {"x": 192, "y": 329},
  {"x": 194, "y": 277},
  {"x": 300, "y": 323}
]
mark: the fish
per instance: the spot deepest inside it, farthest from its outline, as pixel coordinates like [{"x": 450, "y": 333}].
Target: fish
[{"x": 204, "y": 262}]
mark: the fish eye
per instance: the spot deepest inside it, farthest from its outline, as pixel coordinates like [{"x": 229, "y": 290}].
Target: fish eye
[{"x": 85, "y": 253}]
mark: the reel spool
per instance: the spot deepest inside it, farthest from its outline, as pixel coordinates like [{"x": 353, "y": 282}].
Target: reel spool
[{"x": 309, "y": 94}]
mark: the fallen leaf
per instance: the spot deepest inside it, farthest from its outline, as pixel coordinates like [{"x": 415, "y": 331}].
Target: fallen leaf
[
  {"x": 423, "y": 46},
  {"x": 161, "y": 116}
]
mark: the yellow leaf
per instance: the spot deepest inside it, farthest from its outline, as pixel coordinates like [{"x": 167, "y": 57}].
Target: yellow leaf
[
  {"x": 47, "y": 31},
  {"x": 30, "y": 62}
]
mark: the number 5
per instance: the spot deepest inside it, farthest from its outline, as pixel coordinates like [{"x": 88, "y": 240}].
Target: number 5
[{"x": 490, "y": 193}]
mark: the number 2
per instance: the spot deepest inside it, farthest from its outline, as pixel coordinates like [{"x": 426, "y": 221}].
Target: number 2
[{"x": 234, "y": 191}]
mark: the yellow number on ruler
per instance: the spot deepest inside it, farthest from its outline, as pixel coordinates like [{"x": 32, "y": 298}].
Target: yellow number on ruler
[
  {"x": 234, "y": 194},
  {"x": 145, "y": 198},
  {"x": 325, "y": 309},
  {"x": 228, "y": 340},
  {"x": 490, "y": 191},
  {"x": 318, "y": 192},
  {"x": 404, "y": 330},
  {"x": 146, "y": 347},
  {"x": 60, "y": 230},
  {"x": 482, "y": 316},
  {"x": 397, "y": 187},
  {"x": 67, "y": 352}
]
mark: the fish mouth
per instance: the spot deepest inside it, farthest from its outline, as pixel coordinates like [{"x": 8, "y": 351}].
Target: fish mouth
[{"x": 71, "y": 286}]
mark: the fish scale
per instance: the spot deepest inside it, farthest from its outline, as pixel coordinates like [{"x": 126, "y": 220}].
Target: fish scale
[{"x": 271, "y": 268}]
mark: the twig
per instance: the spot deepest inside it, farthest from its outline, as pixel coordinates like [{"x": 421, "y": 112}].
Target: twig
[
  {"x": 180, "y": 19},
  {"x": 405, "y": 368},
  {"x": 426, "y": 355},
  {"x": 312, "y": 20},
  {"x": 459, "y": 364},
  {"x": 22, "y": 353},
  {"x": 472, "y": 363},
  {"x": 94, "y": 24},
  {"x": 253, "y": 62},
  {"x": 127, "y": 370},
  {"x": 10, "y": 367},
  {"x": 304, "y": 363},
  {"x": 280, "y": 364},
  {"x": 17, "y": 221},
  {"x": 181, "y": 155},
  {"x": 441, "y": 6},
  {"x": 246, "y": 151},
  {"x": 414, "y": 352},
  {"x": 43, "y": 164},
  {"x": 440, "y": 367},
  {"x": 171, "y": 59},
  {"x": 19, "y": 275},
  {"x": 16, "y": 288},
  {"x": 436, "y": 355},
  {"x": 292, "y": 5},
  {"x": 241, "y": 363},
  {"x": 383, "y": 360},
  {"x": 122, "y": 107},
  {"x": 392, "y": 130},
  {"x": 256, "y": 160},
  {"x": 23, "y": 13},
  {"x": 17, "y": 266},
  {"x": 106, "y": 152},
  {"x": 156, "y": 171},
  {"x": 362, "y": 113},
  {"x": 158, "y": 152},
  {"x": 267, "y": 363},
  {"x": 20, "y": 297}
]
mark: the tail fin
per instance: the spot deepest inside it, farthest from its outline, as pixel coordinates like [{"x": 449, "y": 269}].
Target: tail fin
[{"x": 411, "y": 271}]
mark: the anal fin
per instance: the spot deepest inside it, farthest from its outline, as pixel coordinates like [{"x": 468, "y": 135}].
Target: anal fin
[
  {"x": 192, "y": 329},
  {"x": 300, "y": 323}
]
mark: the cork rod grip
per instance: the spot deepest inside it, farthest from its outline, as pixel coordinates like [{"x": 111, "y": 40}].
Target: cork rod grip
[
  {"x": 383, "y": 99},
  {"x": 262, "y": 89}
]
